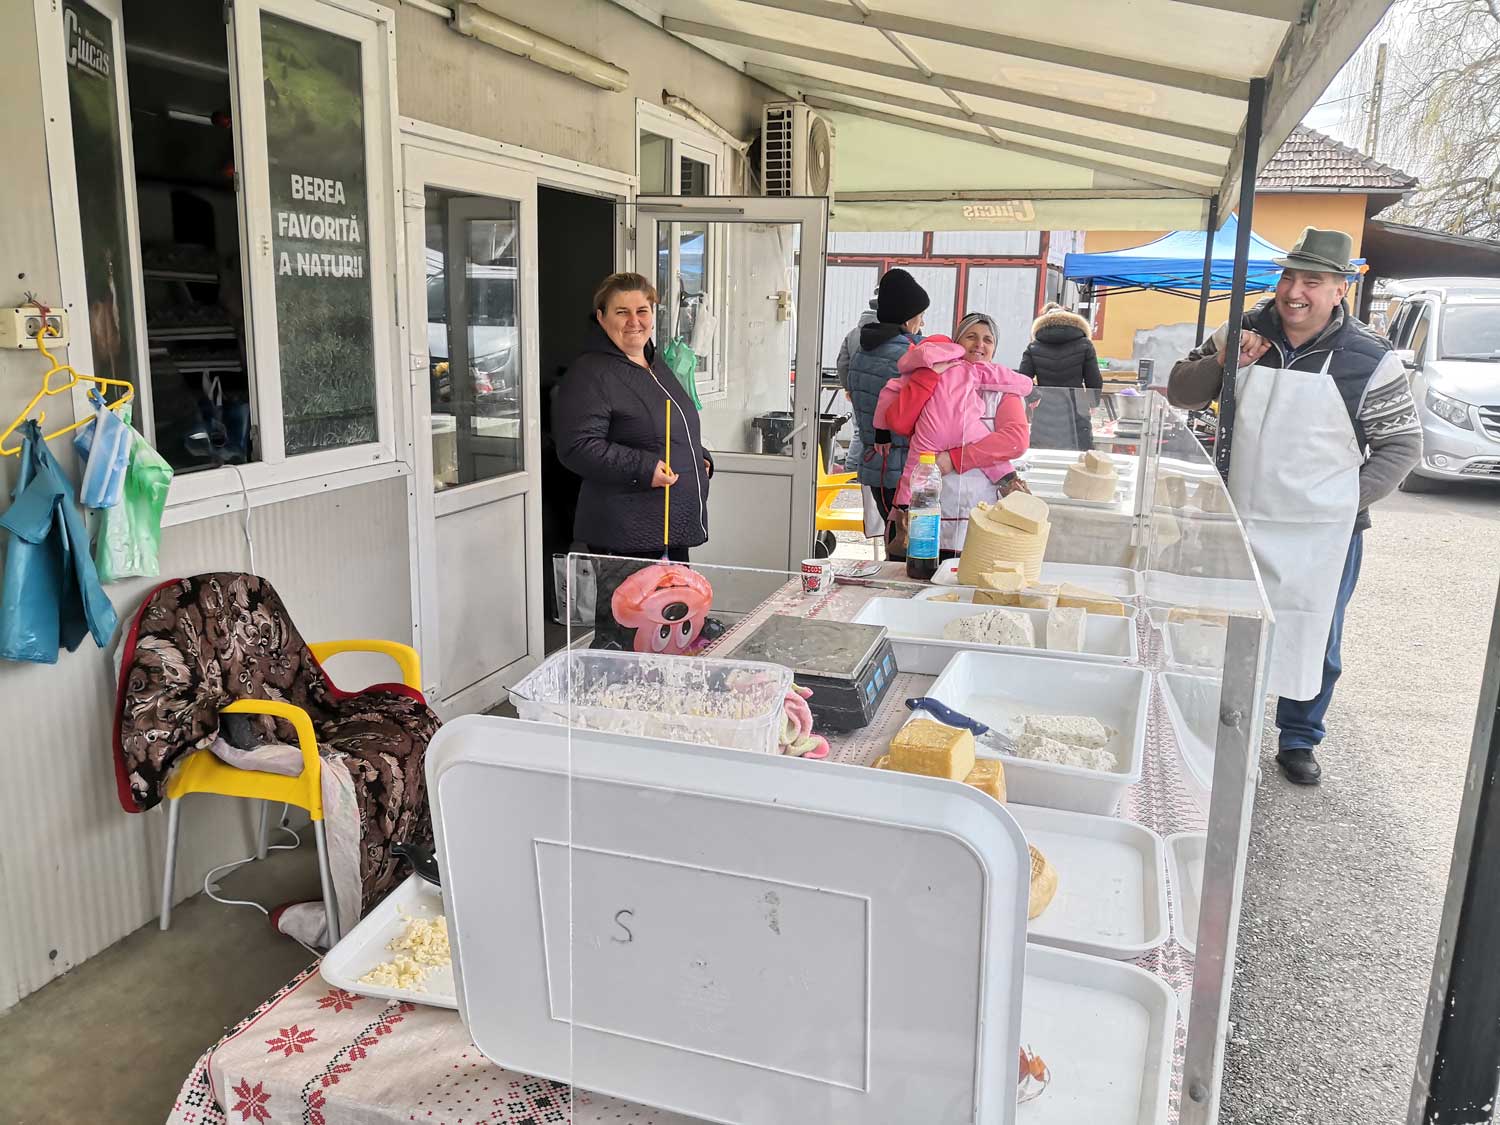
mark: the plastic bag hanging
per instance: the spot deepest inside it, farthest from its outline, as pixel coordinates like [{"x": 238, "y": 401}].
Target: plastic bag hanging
[
  {"x": 129, "y": 542},
  {"x": 682, "y": 361},
  {"x": 104, "y": 448}
]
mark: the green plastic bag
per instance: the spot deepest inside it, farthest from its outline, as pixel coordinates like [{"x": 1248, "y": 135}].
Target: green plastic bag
[
  {"x": 130, "y": 532},
  {"x": 683, "y": 362}
]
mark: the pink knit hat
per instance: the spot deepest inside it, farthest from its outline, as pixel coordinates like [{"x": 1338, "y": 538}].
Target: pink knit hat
[{"x": 933, "y": 349}]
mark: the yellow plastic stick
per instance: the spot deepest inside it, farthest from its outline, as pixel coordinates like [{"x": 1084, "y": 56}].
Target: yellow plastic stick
[{"x": 666, "y": 493}]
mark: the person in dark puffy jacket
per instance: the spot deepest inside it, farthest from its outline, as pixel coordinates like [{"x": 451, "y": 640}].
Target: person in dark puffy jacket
[
  {"x": 1061, "y": 355},
  {"x": 899, "y": 305},
  {"x": 609, "y": 423}
]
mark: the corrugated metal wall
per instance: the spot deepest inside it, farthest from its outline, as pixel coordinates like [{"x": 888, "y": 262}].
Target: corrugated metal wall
[{"x": 80, "y": 872}]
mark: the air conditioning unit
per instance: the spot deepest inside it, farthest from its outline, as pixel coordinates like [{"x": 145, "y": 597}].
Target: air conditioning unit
[{"x": 796, "y": 151}]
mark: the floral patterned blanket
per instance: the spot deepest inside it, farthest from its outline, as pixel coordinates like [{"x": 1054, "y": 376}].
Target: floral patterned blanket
[{"x": 200, "y": 643}]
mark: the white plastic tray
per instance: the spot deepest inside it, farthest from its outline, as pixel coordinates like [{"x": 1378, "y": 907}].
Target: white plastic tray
[
  {"x": 916, "y": 628},
  {"x": 1193, "y": 710},
  {"x": 750, "y": 934},
  {"x": 1116, "y": 581},
  {"x": 364, "y": 947},
  {"x": 1185, "y": 875},
  {"x": 1111, "y": 896},
  {"x": 1105, "y": 1031},
  {"x": 998, "y": 688}
]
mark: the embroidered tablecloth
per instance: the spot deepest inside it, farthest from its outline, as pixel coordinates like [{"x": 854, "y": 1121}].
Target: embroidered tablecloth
[{"x": 317, "y": 1055}]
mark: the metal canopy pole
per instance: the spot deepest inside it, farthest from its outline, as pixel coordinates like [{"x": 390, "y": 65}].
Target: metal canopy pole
[
  {"x": 1458, "y": 1058},
  {"x": 1253, "y": 115},
  {"x": 1208, "y": 267}
]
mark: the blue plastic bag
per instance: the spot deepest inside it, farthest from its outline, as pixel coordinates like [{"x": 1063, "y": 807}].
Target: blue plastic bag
[{"x": 104, "y": 447}]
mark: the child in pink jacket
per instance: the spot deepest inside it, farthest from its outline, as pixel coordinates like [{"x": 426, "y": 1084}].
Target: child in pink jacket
[{"x": 937, "y": 401}]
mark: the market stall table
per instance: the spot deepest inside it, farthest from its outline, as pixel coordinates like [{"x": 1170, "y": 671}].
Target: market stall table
[{"x": 314, "y": 1053}]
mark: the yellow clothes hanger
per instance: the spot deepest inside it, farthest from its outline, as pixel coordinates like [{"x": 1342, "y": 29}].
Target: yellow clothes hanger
[{"x": 74, "y": 378}]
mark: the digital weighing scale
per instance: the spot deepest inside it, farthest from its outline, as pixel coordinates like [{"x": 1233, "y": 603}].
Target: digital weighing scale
[{"x": 849, "y": 667}]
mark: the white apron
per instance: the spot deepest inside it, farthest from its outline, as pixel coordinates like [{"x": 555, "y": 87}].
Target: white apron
[
  {"x": 1294, "y": 478},
  {"x": 962, "y": 493}
]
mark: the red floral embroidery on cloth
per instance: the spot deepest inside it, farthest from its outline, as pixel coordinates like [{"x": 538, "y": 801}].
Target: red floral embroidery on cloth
[
  {"x": 339, "y": 1000},
  {"x": 291, "y": 1041},
  {"x": 252, "y": 1103}
]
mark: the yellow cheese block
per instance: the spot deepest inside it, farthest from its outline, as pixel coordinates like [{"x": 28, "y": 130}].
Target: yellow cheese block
[
  {"x": 1022, "y": 511},
  {"x": 1172, "y": 491},
  {"x": 1001, "y": 586},
  {"x": 988, "y": 776},
  {"x": 991, "y": 542},
  {"x": 1043, "y": 884},
  {"x": 1207, "y": 616},
  {"x": 932, "y": 749},
  {"x": 1212, "y": 497},
  {"x": 1082, "y": 597},
  {"x": 1039, "y": 595}
]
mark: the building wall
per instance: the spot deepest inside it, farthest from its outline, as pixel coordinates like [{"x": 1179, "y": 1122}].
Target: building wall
[
  {"x": 461, "y": 83},
  {"x": 1279, "y": 219},
  {"x": 76, "y": 872}
]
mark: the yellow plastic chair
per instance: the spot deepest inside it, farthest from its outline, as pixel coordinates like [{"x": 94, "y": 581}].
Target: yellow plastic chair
[
  {"x": 202, "y": 772},
  {"x": 829, "y": 516}
]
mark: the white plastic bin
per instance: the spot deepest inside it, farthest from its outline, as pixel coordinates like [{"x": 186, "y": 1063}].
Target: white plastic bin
[
  {"x": 735, "y": 704},
  {"x": 999, "y": 688}
]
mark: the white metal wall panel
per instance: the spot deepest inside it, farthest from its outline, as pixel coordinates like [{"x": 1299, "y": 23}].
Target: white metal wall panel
[
  {"x": 941, "y": 283},
  {"x": 1007, "y": 243},
  {"x": 1009, "y": 295},
  {"x": 460, "y": 83},
  {"x": 79, "y": 872},
  {"x": 846, "y": 294},
  {"x": 896, "y": 244}
]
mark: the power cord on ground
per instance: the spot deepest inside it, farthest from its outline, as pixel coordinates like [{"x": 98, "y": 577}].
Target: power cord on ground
[{"x": 209, "y": 886}]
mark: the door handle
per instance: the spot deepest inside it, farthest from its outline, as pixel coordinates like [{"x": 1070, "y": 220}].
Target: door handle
[{"x": 794, "y": 431}]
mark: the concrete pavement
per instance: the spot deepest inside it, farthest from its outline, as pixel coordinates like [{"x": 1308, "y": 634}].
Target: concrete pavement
[{"x": 1345, "y": 884}]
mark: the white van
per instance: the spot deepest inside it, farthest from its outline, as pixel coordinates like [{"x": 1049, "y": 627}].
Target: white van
[{"x": 1447, "y": 331}]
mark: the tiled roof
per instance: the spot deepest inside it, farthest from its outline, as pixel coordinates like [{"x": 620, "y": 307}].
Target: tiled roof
[{"x": 1310, "y": 161}]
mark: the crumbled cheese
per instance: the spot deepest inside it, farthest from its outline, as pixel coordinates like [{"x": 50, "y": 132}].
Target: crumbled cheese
[
  {"x": 1075, "y": 730},
  {"x": 993, "y": 627},
  {"x": 1039, "y": 748},
  {"x": 423, "y": 945}
]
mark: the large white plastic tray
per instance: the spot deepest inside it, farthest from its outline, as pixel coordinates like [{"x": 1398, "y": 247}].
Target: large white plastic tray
[
  {"x": 730, "y": 936},
  {"x": 998, "y": 688},
  {"x": 1185, "y": 876},
  {"x": 1193, "y": 710},
  {"x": 1116, "y": 581},
  {"x": 916, "y": 631},
  {"x": 1105, "y": 1031},
  {"x": 364, "y": 947},
  {"x": 1111, "y": 896}
]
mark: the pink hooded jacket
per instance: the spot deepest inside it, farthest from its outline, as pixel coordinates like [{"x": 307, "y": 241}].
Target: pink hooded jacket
[{"x": 951, "y": 413}]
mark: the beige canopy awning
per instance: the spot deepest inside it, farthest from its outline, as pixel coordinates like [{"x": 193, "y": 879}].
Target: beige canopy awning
[{"x": 1063, "y": 114}]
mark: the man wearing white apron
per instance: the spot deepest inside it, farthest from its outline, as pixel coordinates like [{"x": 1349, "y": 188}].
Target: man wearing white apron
[{"x": 1324, "y": 427}]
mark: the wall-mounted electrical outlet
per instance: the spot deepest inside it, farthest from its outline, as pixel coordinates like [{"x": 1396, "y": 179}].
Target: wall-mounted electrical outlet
[{"x": 19, "y": 327}]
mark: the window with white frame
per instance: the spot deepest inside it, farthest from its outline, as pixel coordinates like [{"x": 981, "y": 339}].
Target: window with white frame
[
  {"x": 229, "y": 240},
  {"x": 678, "y": 157}
]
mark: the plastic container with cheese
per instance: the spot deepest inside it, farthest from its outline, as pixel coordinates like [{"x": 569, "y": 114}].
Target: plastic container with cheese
[{"x": 736, "y": 704}]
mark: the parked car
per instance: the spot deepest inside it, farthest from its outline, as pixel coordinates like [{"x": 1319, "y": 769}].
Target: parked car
[{"x": 1447, "y": 332}]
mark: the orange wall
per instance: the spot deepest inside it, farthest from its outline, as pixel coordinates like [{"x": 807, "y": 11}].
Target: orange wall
[{"x": 1279, "y": 219}]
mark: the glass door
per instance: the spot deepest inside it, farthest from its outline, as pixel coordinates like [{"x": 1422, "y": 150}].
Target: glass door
[
  {"x": 471, "y": 253},
  {"x": 729, "y": 271}
]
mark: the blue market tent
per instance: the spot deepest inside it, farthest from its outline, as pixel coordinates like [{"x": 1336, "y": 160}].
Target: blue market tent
[{"x": 1174, "y": 264}]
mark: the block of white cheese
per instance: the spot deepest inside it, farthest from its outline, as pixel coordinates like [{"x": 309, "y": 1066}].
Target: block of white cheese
[
  {"x": 1083, "y": 483},
  {"x": 1212, "y": 497},
  {"x": 1040, "y": 748},
  {"x": 1065, "y": 626},
  {"x": 1172, "y": 491},
  {"x": 1096, "y": 462},
  {"x": 993, "y": 627},
  {"x": 1039, "y": 595}
]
